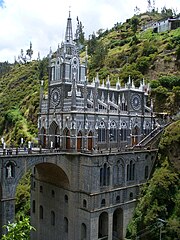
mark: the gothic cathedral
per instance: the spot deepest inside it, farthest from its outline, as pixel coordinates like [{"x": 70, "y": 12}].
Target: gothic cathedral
[{"x": 90, "y": 190}]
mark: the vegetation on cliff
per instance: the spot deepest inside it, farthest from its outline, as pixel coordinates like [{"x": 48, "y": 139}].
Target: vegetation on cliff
[{"x": 158, "y": 204}]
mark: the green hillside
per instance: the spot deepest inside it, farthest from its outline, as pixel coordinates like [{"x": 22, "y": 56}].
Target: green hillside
[{"x": 19, "y": 100}]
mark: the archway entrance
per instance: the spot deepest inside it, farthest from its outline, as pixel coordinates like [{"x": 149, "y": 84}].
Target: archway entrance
[
  {"x": 103, "y": 226},
  {"x": 67, "y": 142},
  {"x": 50, "y": 188},
  {"x": 54, "y": 135},
  {"x": 90, "y": 142},
  {"x": 118, "y": 224},
  {"x": 135, "y": 135},
  {"x": 79, "y": 141}
]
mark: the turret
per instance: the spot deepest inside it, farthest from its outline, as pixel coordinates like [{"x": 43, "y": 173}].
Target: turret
[{"x": 69, "y": 34}]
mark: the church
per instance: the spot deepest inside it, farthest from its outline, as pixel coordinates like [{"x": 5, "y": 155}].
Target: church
[
  {"x": 97, "y": 129},
  {"x": 78, "y": 115}
]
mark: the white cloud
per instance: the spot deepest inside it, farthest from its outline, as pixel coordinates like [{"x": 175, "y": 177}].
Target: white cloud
[{"x": 43, "y": 22}]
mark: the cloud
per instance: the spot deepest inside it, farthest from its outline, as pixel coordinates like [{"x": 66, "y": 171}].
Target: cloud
[{"x": 43, "y": 22}]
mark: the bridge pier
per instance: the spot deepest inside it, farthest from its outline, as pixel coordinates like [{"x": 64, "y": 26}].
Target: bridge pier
[{"x": 7, "y": 212}]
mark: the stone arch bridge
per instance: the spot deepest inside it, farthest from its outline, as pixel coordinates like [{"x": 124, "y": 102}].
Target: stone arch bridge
[{"x": 94, "y": 184}]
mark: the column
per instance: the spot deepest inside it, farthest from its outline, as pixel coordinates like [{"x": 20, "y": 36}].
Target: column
[{"x": 110, "y": 225}]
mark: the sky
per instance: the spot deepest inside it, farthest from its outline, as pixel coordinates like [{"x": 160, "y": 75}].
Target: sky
[{"x": 43, "y": 22}]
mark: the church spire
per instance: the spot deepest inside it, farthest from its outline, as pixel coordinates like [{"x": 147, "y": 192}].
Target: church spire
[{"x": 69, "y": 34}]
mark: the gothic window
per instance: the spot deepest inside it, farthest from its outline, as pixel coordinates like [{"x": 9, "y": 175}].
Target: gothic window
[
  {"x": 101, "y": 177},
  {"x": 146, "y": 172},
  {"x": 131, "y": 196},
  {"x": 103, "y": 202},
  {"x": 66, "y": 199},
  {"x": 53, "y": 193},
  {"x": 147, "y": 129},
  {"x": 103, "y": 226},
  {"x": 41, "y": 212},
  {"x": 65, "y": 225},
  {"x": 52, "y": 218},
  {"x": 130, "y": 171},
  {"x": 113, "y": 132},
  {"x": 118, "y": 199},
  {"x": 104, "y": 175},
  {"x": 52, "y": 73},
  {"x": 83, "y": 231},
  {"x": 41, "y": 189},
  {"x": 124, "y": 131},
  {"x": 33, "y": 206},
  {"x": 84, "y": 203},
  {"x": 67, "y": 71},
  {"x": 118, "y": 173},
  {"x": 102, "y": 132}
]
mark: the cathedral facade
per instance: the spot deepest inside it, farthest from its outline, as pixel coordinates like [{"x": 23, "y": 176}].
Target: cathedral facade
[{"x": 95, "y": 127}]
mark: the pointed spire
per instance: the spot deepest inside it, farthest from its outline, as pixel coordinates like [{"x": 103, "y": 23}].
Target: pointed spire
[
  {"x": 102, "y": 96},
  {"x": 129, "y": 80},
  {"x": 113, "y": 98},
  {"x": 69, "y": 34},
  {"x": 97, "y": 78},
  {"x": 118, "y": 85},
  {"x": 108, "y": 82},
  {"x": 103, "y": 83},
  {"x": 123, "y": 98},
  {"x": 133, "y": 86},
  {"x": 91, "y": 96}
]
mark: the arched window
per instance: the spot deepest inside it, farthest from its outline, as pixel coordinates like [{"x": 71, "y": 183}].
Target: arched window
[
  {"x": 118, "y": 199},
  {"x": 33, "y": 206},
  {"x": 113, "y": 132},
  {"x": 103, "y": 226},
  {"x": 131, "y": 196},
  {"x": 90, "y": 140},
  {"x": 146, "y": 172},
  {"x": 84, "y": 203},
  {"x": 117, "y": 228},
  {"x": 79, "y": 141},
  {"x": 65, "y": 225},
  {"x": 83, "y": 231},
  {"x": 52, "y": 218},
  {"x": 41, "y": 212},
  {"x": 124, "y": 131},
  {"x": 41, "y": 189},
  {"x": 53, "y": 193},
  {"x": 105, "y": 175},
  {"x": 102, "y": 132},
  {"x": 147, "y": 129},
  {"x": 101, "y": 177},
  {"x": 130, "y": 171},
  {"x": 118, "y": 173},
  {"x": 66, "y": 199},
  {"x": 67, "y": 142},
  {"x": 103, "y": 202}
]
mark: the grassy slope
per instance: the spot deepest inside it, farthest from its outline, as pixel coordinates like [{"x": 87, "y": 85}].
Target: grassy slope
[{"x": 19, "y": 102}]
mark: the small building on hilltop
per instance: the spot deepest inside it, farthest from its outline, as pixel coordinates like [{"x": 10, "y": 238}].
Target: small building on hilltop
[{"x": 163, "y": 25}]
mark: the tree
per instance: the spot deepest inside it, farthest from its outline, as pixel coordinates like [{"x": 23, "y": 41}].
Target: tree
[
  {"x": 18, "y": 231},
  {"x": 134, "y": 24},
  {"x": 92, "y": 43}
]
